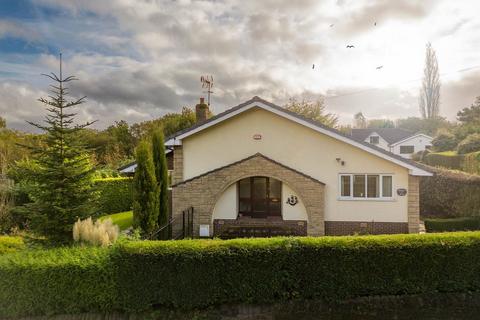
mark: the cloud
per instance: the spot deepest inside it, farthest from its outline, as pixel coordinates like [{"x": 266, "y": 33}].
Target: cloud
[
  {"x": 138, "y": 59},
  {"x": 16, "y": 30},
  {"x": 362, "y": 17}
]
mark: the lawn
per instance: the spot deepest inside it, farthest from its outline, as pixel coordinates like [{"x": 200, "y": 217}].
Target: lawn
[
  {"x": 11, "y": 244},
  {"x": 123, "y": 220}
]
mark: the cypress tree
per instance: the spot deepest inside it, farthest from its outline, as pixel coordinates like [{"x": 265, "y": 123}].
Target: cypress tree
[
  {"x": 161, "y": 173},
  {"x": 145, "y": 192},
  {"x": 63, "y": 173}
]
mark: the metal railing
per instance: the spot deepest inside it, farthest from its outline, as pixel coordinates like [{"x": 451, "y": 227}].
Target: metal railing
[{"x": 187, "y": 226}]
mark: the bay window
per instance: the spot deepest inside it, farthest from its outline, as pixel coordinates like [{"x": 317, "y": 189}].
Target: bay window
[{"x": 366, "y": 186}]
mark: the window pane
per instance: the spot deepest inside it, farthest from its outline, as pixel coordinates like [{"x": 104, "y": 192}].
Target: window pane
[
  {"x": 387, "y": 186},
  {"x": 244, "y": 206},
  {"x": 407, "y": 149},
  {"x": 359, "y": 186},
  {"x": 374, "y": 140},
  {"x": 373, "y": 187},
  {"x": 244, "y": 188},
  {"x": 345, "y": 186},
  {"x": 259, "y": 187}
]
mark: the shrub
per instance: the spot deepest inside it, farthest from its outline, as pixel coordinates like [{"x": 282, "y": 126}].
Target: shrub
[
  {"x": 447, "y": 160},
  {"x": 115, "y": 194},
  {"x": 454, "y": 224},
  {"x": 471, "y": 163},
  {"x": 444, "y": 141},
  {"x": 470, "y": 144},
  {"x": 10, "y": 244},
  {"x": 137, "y": 276},
  {"x": 98, "y": 233},
  {"x": 449, "y": 194}
]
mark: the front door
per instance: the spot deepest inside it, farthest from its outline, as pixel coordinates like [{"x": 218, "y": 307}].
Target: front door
[{"x": 260, "y": 197}]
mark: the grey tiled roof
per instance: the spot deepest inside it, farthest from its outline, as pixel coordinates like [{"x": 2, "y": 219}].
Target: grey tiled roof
[{"x": 391, "y": 135}]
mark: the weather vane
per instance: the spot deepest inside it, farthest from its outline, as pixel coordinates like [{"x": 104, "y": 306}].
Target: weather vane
[{"x": 207, "y": 83}]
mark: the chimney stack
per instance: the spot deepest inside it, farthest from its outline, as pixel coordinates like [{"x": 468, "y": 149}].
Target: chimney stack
[{"x": 201, "y": 111}]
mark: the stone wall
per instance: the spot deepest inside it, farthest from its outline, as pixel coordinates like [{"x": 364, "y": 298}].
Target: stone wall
[
  {"x": 413, "y": 204},
  {"x": 177, "y": 175},
  {"x": 202, "y": 192}
]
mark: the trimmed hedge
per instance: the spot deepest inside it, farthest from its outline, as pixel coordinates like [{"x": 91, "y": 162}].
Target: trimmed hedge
[
  {"x": 140, "y": 276},
  {"x": 449, "y": 194},
  {"x": 454, "y": 224},
  {"x": 469, "y": 162},
  {"x": 114, "y": 194},
  {"x": 10, "y": 244}
]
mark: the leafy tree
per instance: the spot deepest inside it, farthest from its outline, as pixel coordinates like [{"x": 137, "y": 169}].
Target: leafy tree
[
  {"x": 3, "y": 123},
  {"x": 161, "y": 174},
  {"x": 470, "y": 115},
  {"x": 123, "y": 137},
  {"x": 171, "y": 123},
  {"x": 470, "y": 144},
  {"x": 380, "y": 123},
  {"x": 359, "y": 121},
  {"x": 63, "y": 173},
  {"x": 444, "y": 141},
  {"x": 314, "y": 110},
  {"x": 430, "y": 92},
  {"x": 427, "y": 126},
  {"x": 145, "y": 192}
]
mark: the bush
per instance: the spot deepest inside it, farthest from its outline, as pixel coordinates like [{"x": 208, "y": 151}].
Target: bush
[
  {"x": 98, "y": 233},
  {"x": 445, "y": 159},
  {"x": 115, "y": 194},
  {"x": 444, "y": 141},
  {"x": 470, "y": 144},
  {"x": 454, "y": 224},
  {"x": 10, "y": 244},
  {"x": 449, "y": 194},
  {"x": 138, "y": 276}
]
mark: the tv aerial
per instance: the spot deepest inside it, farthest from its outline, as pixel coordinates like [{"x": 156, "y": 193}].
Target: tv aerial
[{"x": 207, "y": 83}]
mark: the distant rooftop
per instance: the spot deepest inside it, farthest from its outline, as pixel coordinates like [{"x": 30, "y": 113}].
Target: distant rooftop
[{"x": 391, "y": 135}]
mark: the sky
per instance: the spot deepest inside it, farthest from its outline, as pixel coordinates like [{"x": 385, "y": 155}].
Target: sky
[{"x": 139, "y": 59}]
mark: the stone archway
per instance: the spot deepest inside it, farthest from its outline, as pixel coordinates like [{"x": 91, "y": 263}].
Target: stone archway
[{"x": 202, "y": 192}]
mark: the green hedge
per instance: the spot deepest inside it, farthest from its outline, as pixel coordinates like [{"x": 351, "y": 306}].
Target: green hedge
[
  {"x": 453, "y": 224},
  {"x": 10, "y": 244},
  {"x": 115, "y": 194},
  {"x": 449, "y": 194},
  {"x": 469, "y": 162},
  {"x": 139, "y": 276}
]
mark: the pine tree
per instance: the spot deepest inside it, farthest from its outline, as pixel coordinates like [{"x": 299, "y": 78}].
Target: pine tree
[
  {"x": 161, "y": 173},
  {"x": 63, "y": 172},
  {"x": 145, "y": 192}
]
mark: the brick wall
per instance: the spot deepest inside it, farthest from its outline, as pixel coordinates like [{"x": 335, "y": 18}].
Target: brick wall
[
  {"x": 342, "y": 228},
  {"x": 177, "y": 175},
  {"x": 203, "y": 191}
]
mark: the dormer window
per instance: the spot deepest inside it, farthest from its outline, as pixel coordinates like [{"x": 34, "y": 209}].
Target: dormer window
[{"x": 374, "y": 139}]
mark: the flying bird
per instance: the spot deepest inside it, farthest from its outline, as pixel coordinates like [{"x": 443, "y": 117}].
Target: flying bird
[
  {"x": 375, "y": 23},
  {"x": 379, "y": 67},
  {"x": 313, "y": 66},
  {"x": 332, "y": 25},
  {"x": 350, "y": 46}
]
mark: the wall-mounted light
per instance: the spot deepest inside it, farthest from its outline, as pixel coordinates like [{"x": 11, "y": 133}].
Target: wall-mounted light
[{"x": 339, "y": 160}]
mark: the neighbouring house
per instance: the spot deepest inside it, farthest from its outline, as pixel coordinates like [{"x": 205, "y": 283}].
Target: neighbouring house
[
  {"x": 399, "y": 141},
  {"x": 258, "y": 169}
]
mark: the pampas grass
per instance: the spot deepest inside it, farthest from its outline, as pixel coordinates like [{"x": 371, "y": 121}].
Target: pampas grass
[{"x": 98, "y": 233}]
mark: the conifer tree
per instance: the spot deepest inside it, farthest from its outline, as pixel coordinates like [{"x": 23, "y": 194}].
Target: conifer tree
[
  {"x": 161, "y": 174},
  {"x": 63, "y": 172},
  {"x": 145, "y": 192}
]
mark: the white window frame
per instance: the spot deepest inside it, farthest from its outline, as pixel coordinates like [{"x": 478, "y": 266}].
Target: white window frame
[{"x": 365, "y": 198}]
